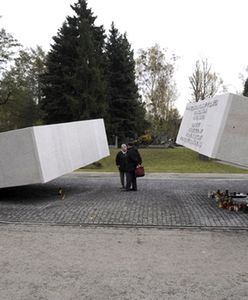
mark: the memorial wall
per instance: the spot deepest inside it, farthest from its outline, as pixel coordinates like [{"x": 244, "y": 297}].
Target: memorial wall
[
  {"x": 217, "y": 128},
  {"x": 41, "y": 153}
]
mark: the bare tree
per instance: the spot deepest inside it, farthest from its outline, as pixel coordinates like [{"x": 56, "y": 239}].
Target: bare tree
[
  {"x": 204, "y": 82},
  {"x": 155, "y": 73}
]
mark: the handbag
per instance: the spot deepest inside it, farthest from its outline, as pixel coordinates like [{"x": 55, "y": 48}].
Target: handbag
[{"x": 140, "y": 171}]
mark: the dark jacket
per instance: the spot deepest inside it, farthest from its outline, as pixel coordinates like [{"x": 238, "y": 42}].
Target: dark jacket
[
  {"x": 133, "y": 159},
  {"x": 121, "y": 161}
]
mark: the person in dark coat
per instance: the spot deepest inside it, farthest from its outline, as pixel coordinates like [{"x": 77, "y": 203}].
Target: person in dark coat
[
  {"x": 121, "y": 162},
  {"x": 133, "y": 160}
]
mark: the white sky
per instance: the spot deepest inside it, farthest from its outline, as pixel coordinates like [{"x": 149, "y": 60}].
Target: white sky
[{"x": 192, "y": 29}]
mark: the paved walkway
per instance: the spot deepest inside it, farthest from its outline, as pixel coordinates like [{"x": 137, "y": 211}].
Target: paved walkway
[{"x": 166, "y": 200}]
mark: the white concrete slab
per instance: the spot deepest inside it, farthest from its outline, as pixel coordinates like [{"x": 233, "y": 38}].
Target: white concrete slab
[
  {"x": 42, "y": 153},
  {"x": 217, "y": 128}
]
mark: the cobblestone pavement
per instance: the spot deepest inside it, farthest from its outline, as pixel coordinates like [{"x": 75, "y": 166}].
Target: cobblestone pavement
[{"x": 171, "y": 200}]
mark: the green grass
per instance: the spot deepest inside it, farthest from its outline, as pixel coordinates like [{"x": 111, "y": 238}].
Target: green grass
[{"x": 177, "y": 160}]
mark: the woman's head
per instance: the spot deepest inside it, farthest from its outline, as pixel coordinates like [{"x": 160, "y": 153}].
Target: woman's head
[{"x": 124, "y": 147}]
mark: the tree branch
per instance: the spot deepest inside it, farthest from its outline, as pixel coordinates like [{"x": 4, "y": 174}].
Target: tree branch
[{"x": 4, "y": 101}]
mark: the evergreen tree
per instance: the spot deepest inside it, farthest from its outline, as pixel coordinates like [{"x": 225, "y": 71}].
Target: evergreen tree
[
  {"x": 126, "y": 112},
  {"x": 245, "y": 92},
  {"x": 74, "y": 85}
]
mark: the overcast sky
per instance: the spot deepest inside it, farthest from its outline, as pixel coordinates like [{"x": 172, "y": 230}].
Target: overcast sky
[{"x": 192, "y": 29}]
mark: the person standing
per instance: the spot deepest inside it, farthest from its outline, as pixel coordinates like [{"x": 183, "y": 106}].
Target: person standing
[
  {"x": 133, "y": 160},
  {"x": 121, "y": 163}
]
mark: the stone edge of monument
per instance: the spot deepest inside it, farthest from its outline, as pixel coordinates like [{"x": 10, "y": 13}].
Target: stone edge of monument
[{"x": 23, "y": 151}]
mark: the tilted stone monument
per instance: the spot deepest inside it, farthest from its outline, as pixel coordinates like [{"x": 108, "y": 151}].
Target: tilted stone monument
[
  {"x": 217, "y": 128},
  {"x": 41, "y": 153}
]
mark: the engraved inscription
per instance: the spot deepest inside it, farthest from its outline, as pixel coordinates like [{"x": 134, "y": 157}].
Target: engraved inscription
[{"x": 195, "y": 132}]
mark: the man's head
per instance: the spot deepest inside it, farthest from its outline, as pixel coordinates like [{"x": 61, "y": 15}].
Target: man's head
[{"x": 130, "y": 144}]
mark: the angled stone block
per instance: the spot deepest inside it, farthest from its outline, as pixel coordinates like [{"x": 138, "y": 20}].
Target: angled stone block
[
  {"x": 217, "y": 128},
  {"x": 41, "y": 153}
]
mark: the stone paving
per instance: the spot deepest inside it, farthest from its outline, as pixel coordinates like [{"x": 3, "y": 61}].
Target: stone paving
[{"x": 170, "y": 200}]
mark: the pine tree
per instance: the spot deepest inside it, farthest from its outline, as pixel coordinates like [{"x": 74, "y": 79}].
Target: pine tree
[
  {"x": 74, "y": 85},
  {"x": 245, "y": 92},
  {"x": 126, "y": 112}
]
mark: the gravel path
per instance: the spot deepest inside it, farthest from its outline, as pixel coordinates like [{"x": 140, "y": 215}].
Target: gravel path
[{"x": 57, "y": 263}]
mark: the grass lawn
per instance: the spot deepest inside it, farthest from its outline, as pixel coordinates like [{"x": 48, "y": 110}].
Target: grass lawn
[{"x": 177, "y": 160}]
